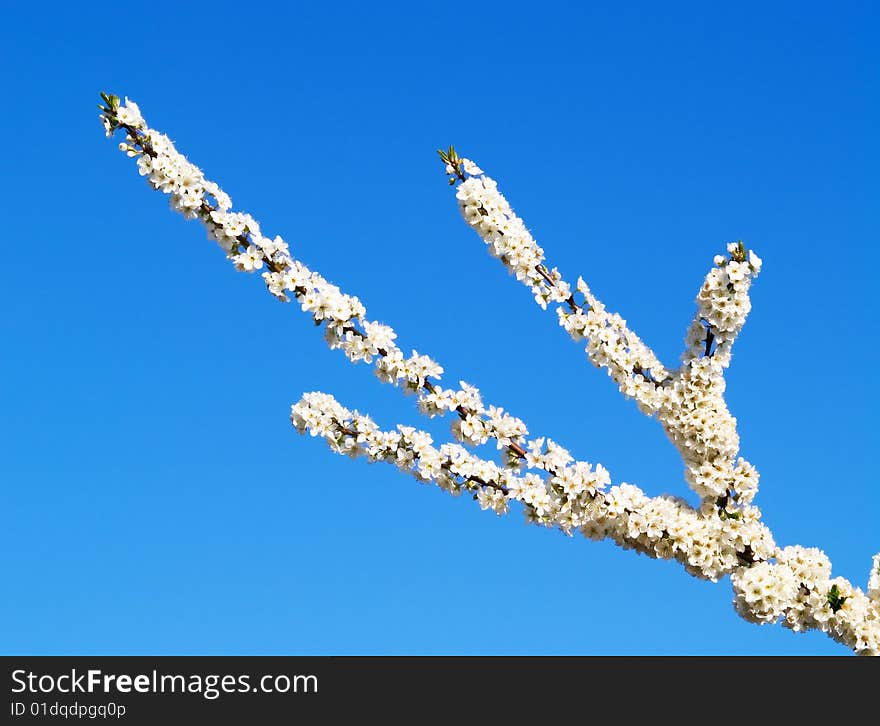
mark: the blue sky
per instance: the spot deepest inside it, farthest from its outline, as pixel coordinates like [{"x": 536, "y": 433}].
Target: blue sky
[{"x": 157, "y": 499}]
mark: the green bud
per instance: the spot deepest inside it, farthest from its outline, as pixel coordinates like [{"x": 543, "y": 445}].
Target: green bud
[{"x": 834, "y": 598}]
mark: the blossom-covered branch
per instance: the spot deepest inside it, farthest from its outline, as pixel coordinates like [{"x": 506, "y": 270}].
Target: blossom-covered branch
[
  {"x": 575, "y": 497},
  {"x": 343, "y": 316},
  {"x": 797, "y": 587},
  {"x": 689, "y": 402},
  {"x": 724, "y": 535},
  {"x": 722, "y": 305}
]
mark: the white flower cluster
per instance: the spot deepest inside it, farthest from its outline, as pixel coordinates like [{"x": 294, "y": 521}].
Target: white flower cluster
[
  {"x": 694, "y": 415},
  {"x": 489, "y": 213},
  {"x": 722, "y": 304},
  {"x": 165, "y": 168},
  {"x": 724, "y": 536},
  {"x": 611, "y": 345},
  {"x": 573, "y": 496},
  {"x": 798, "y": 588},
  {"x": 763, "y": 591}
]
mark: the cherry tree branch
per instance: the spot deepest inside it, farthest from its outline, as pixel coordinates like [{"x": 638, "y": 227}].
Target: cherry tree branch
[
  {"x": 793, "y": 586},
  {"x": 724, "y": 536}
]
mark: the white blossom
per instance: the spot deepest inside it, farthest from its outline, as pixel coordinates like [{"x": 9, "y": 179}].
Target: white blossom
[{"x": 874, "y": 581}]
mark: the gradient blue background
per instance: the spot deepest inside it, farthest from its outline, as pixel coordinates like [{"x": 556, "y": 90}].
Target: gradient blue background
[{"x": 155, "y": 496}]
